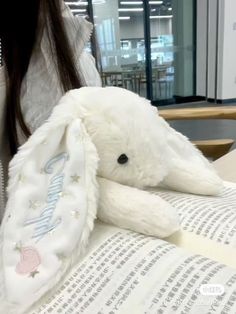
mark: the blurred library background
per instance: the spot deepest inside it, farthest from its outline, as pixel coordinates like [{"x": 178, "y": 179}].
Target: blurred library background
[
  {"x": 170, "y": 51},
  {"x": 145, "y": 46}
]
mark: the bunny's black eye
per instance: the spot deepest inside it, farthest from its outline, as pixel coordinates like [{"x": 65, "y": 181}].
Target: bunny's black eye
[{"x": 123, "y": 159}]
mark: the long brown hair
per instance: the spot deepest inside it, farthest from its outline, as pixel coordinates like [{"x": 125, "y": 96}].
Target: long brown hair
[{"x": 21, "y": 26}]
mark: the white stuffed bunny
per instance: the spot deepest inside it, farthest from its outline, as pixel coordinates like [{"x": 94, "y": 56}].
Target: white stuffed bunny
[
  {"x": 98, "y": 152},
  {"x": 138, "y": 149}
]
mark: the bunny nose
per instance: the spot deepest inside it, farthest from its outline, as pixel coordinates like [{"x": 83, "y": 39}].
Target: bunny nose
[{"x": 122, "y": 159}]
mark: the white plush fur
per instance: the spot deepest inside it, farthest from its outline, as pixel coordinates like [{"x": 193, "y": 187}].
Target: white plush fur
[
  {"x": 120, "y": 122},
  {"x": 116, "y": 122},
  {"x": 134, "y": 209}
]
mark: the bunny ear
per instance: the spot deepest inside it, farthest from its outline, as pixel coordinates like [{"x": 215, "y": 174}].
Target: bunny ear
[
  {"x": 189, "y": 170},
  {"x": 51, "y": 208}
]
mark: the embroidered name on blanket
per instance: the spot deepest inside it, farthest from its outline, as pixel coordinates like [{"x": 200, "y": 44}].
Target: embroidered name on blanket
[
  {"x": 42, "y": 223},
  {"x": 47, "y": 216}
]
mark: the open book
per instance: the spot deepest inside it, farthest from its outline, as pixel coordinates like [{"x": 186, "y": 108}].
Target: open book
[{"x": 193, "y": 271}]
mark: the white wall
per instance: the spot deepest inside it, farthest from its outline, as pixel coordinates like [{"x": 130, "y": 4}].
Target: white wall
[
  {"x": 183, "y": 41},
  {"x": 206, "y": 60},
  {"x": 108, "y": 32},
  {"x": 201, "y": 46},
  {"x": 134, "y": 28},
  {"x": 228, "y": 80},
  {"x": 212, "y": 48},
  {"x": 225, "y": 87}
]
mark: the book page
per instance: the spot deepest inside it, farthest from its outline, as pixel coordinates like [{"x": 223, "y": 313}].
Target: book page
[
  {"x": 126, "y": 272},
  {"x": 197, "y": 244},
  {"x": 212, "y": 217}
]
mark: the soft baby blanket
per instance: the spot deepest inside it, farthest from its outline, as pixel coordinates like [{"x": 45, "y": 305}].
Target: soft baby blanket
[{"x": 51, "y": 208}]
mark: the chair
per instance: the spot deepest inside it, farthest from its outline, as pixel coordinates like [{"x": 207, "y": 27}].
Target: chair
[
  {"x": 213, "y": 149},
  {"x": 142, "y": 79},
  {"x": 111, "y": 78},
  {"x": 163, "y": 81},
  {"x": 128, "y": 80}
]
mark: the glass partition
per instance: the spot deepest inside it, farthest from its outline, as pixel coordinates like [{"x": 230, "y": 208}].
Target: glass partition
[
  {"x": 81, "y": 8},
  {"x": 172, "y": 49},
  {"x": 120, "y": 43},
  {"x": 121, "y": 49}
]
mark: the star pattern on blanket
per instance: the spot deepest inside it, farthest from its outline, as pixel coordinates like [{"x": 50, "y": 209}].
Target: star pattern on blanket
[
  {"x": 34, "y": 273},
  {"x": 61, "y": 257},
  {"x": 79, "y": 137},
  {"x": 18, "y": 246},
  {"x": 34, "y": 204},
  {"x": 52, "y": 232},
  {"x": 75, "y": 178},
  {"x": 21, "y": 178},
  {"x": 64, "y": 194},
  {"x": 75, "y": 213}
]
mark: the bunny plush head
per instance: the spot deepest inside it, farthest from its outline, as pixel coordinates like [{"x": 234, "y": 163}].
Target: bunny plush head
[
  {"x": 96, "y": 155},
  {"x": 123, "y": 126},
  {"x": 138, "y": 148}
]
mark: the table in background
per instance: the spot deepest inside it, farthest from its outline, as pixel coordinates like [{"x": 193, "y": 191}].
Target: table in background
[{"x": 135, "y": 79}]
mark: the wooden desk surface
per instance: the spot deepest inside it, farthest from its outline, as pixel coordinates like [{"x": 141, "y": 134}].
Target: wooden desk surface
[{"x": 221, "y": 112}]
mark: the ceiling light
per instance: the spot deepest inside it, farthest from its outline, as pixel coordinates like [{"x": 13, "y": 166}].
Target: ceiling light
[
  {"x": 131, "y": 2},
  {"x": 131, "y": 10},
  {"x": 161, "y": 16},
  {"x": 169, "y": 9},
  {"x": 78, "y": 3},
  {"x": 124, "y": 17},
  {"x": 98, "y": 1},
  {"x": 155, "y": 2},
  {"x": 78, "y": 10}
]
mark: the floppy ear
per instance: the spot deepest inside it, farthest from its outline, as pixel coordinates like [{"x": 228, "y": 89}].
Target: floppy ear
[
  {"x": 189, "y": 171},
  {"x": 51, "y": 207}
]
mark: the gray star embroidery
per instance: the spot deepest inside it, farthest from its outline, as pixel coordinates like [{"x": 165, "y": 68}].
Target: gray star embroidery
[
  {"x": 60, "y": 256},
  {"x": 34, "y": 273},
  {"x": 18, "y": 247},
  {"x": 75, "y": 213},
  {"x": 52, "y": 232},
  {"x": 21, "y": 178},
  {"x": 75, "y": 178},
  {"x": 79, "y": 137},
  {"x": 64, "y": 194},
  {"x": 33, "y": 204}
]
